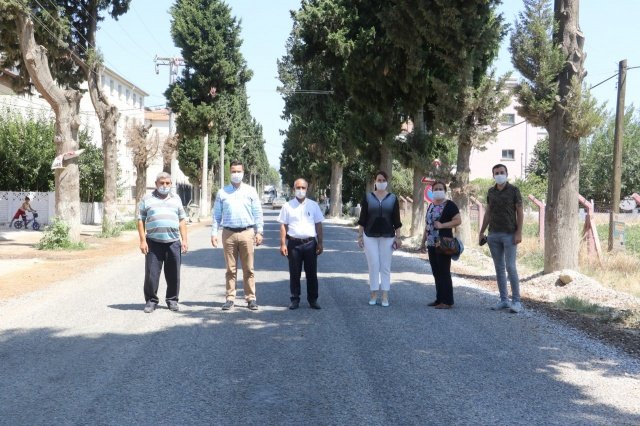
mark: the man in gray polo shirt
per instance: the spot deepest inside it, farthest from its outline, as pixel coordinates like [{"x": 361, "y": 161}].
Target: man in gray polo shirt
[
  {"x": 163, "y": 238},
  {"x": 504, "y": 217}
]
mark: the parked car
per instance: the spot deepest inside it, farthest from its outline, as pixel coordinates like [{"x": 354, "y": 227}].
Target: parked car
[{"x": 278, "y": 202}]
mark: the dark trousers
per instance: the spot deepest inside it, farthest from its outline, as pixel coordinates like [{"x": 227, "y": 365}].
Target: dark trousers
[
  {"x": 170, "y": 255},
  {"x": 299, "y": 254},
  {"x": 441, "y": 268}
]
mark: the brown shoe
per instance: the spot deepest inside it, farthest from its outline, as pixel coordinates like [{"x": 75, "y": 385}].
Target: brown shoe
[
  {"x": 434, "y": 303},
  {"x": 444, "y": 306}
]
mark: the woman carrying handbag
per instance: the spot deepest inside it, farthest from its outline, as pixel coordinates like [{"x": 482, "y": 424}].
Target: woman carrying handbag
[{"x": 442, "y": 216}]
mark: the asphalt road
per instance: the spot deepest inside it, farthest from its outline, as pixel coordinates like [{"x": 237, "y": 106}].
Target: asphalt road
[{"x": 83, "y": 352}]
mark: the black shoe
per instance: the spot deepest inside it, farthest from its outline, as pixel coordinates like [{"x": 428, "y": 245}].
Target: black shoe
[
  {"x": 173, "y": 305},
  {"x": 150, "y": 307},
  {"x": 252, "y": 305},
  {"x": 434, "y": 303},
  {"x": 227, "y": 305},
  {"x": 314, "y": 305},
  {"x": 294, "y": 304}
]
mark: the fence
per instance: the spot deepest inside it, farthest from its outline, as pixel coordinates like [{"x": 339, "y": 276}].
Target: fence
[{"x": 44, "y": 203}]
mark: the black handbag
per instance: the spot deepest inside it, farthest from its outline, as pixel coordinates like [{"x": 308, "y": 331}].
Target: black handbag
[{"x": 447, "y": 246}]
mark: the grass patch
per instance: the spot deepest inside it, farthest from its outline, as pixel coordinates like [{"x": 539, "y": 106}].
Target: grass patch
[
  {"x": 631, "y": 237},
  {"x": 581, "y": 306},
  {"x": 56, "y": 237},
  {"x": 131, "y": 225},
  {"x": 116, "y": 231}
]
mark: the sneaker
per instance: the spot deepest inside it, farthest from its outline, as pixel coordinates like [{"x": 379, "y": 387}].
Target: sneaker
[
  {"x": 503, "y": 304},
  {"x": 373, "y": 301},
  {"x": 252, "y": 305},
  {"x": 150, "y": 307},
  {"x": 227, "y": 305},
  {"x": 384, "y": 303},
  {"x": 516, "y": 307},
  {"x": 173, "y": 305}
]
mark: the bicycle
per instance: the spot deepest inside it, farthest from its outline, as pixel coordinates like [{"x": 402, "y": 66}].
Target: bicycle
[{"x": 35, "y": 225}]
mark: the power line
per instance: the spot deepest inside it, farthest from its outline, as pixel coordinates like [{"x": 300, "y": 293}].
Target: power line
[
  {"x": 153, "y": 37},
  {"x": 591, "y": 87}
]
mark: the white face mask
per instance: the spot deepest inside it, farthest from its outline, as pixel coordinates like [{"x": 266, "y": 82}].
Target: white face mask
[
  {"x": 301, "y": 193},
  {"x": 237, "y": 177},
  {"x": 164, "y": 190},
  {"x": 439, "y": 195},
  {"x": 381, "y": 186},
  {"x": 500, "y": 179}
]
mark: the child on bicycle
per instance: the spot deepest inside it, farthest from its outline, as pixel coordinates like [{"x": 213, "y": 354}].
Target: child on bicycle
[{"x": 22, "y": 211}]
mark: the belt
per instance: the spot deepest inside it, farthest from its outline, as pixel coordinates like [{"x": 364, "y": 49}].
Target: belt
[
  {"x": 238, "y": 229},
  {"x": 300, "y": 240}
]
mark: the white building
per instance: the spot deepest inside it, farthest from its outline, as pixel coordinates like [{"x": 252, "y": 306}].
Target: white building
[
  {"x": 513, "y": 146},
  {"x": 130, "y": 102}
]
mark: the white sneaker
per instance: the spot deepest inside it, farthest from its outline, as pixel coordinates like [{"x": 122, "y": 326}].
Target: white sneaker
[
  {"x": 503, "y": 304},
  {"x": 516, "y": 307}
]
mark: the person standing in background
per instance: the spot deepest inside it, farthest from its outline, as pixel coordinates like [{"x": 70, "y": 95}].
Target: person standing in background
[
  {"x": 504, "y": 216},
  {"x": 301, "y": 242},
  {"x": 238, "y": 210},
  {"x": 379, "y": 234}
]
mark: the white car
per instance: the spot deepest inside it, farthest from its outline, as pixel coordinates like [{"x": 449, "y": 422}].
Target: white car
[{"x": 278, "y": 202}]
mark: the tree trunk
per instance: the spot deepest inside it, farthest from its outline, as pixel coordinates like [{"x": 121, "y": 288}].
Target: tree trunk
[
  {"x": 335, "y": 198},
  {"x": 460, "y": 189},
  {"x": 66, "y": 106},
  {"x": 561, "y": 213},
  {"x": 417, "y": 208},
  {"x": 108, "y": 117},
  {"x": 386, "y": 160},
  {"x": 141, "y": 182}
]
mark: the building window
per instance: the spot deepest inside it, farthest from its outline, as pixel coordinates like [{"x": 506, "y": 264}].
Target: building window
[
  {"x": 508, "y": 154},
  {"x": 135, "y": 99},
  {"x": 111, "y": 88},
  {"x": 119, "y": 91},
  {"x": 508, "y": 119},
  {"x": 128, "y": 95}
]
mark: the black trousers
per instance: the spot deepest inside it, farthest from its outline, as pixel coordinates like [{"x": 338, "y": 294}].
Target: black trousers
[
  {"x": 169, "y": 254},
  {"x": 303, "y": 254},
  {"x": 441, "y": 268}
]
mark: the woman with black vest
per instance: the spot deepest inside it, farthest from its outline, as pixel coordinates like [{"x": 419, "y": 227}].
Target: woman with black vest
[
  {"x": 442, "y": 216},
  {"x": 379, "y": 235}
]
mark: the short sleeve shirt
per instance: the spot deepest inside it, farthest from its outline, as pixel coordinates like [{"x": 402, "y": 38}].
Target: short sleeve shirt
[
  {"x": 161, "y": 217},
  {"x": 301, "y": 218},
  {"x": 439, "y": 213},
  {"x": 502, "y": 208}
]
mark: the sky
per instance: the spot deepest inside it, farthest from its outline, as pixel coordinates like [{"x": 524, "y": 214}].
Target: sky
[{"x": 130, "y": 44}]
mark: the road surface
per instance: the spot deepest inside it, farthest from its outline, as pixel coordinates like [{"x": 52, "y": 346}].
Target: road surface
[{"x": 83, "y": 352}]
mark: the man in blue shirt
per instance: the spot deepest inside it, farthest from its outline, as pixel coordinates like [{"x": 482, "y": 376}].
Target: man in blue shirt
[
  {"x": 163, "y": 238},
  {"x": 238, "y": 210}
]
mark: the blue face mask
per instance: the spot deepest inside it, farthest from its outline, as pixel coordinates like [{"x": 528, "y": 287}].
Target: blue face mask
[{"x": 164, "y": 190}]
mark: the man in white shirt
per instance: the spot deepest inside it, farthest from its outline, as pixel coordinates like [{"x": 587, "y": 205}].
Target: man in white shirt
[{"x": 301, "y": 242}]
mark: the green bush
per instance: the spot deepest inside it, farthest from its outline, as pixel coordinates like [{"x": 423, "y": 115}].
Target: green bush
[
  {"x": 131, "y": 225},
  {"x": 631, "y": 237},
  {"x": 56, "y": 237}
]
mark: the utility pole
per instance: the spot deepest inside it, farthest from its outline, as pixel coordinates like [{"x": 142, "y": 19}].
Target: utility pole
[
  {"x": 617, "y": 149},
  {"x": 204, "y": 194},
  {"x": 221, "y": 161},
  {"x": 174, "y": 64}
]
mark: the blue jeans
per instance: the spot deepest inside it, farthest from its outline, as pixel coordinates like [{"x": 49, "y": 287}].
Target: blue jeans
[{"x": 503, "y": 252}]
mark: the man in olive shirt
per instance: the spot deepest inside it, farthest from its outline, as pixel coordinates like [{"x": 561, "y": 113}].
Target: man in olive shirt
[{"x": 504, "y": 216}]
